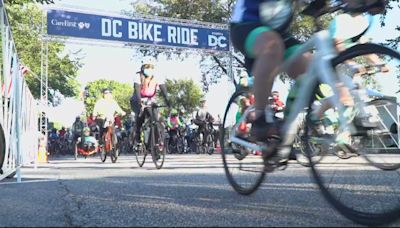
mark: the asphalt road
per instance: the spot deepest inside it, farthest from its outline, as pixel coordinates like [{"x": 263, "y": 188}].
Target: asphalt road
[{"x": 191, "y": 190}]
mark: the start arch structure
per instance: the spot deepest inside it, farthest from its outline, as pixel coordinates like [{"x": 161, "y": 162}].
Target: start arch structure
[
  {"x": 19, "y": 112},
  {"x": 87, "y": 27}
]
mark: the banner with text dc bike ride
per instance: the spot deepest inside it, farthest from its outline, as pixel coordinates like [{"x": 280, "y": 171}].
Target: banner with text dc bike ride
[{"x": 143, "y": 31}]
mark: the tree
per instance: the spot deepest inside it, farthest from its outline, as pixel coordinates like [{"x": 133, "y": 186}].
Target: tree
[
  {"x": 183, "y": 94},
  {"x": 121, "y": 92},
  {"x": 217, "y": 11},
  {"x": 21, "y": 2},
  {"x": 26, "y": 24},
  {"x": 213, "y": 66},
  {"x": 395, "y": 41}
]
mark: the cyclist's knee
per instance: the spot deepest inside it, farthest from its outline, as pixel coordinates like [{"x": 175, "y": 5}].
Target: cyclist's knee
[
  {"x": 300, "y": 65},
  {"x": 269, "y": 44}
]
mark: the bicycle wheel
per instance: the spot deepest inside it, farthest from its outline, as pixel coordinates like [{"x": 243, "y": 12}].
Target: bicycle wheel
[
  {"x": 114, "y": 153},
  {"x": 243, "y": 168},
  {"x": 299, "y": 145},
  {"x": 381, "y": 146},
  {"x": 180, "y": 146},
  {"x": 358, "y": 190},
  {"x": 157, "y": 145},
  {"x": 210, "y": 145},
  {"x": 140, "y": 154},
  {"x": 103, "y": 153},
  {"x": 76, "y": 151}
]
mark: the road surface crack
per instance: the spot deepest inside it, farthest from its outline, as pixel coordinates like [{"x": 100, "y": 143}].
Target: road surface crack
[{"x": 71, "y": 205}]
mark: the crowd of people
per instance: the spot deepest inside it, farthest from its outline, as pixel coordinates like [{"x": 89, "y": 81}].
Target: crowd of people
[{"x": 86, "y": 131}]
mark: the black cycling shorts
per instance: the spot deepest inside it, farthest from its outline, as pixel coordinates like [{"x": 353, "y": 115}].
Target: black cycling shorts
[{"x": 243, "y": 36}]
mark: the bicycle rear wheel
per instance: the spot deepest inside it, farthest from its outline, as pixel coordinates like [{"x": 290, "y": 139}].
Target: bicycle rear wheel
[
  {"x": 243, "y": 168},
  {"x": 158, "y": 148},
  {"x": 358, "y": 190}
]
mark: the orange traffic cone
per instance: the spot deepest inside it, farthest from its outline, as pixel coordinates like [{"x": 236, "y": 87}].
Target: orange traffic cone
[{"x": 42, "y": 153}]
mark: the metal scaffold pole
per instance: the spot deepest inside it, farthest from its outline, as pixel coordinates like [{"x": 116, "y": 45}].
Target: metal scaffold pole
[{"x": 44, "y": 83}]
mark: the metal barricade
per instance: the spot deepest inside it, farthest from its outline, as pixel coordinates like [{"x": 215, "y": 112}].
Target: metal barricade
[{"x": 18, "y": 112}]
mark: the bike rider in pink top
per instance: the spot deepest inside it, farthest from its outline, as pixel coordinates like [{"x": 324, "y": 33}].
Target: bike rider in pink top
[{"x": 146, "y": 86}]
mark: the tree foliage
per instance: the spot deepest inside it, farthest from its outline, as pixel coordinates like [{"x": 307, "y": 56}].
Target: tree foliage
[
  {"x": 121, "y": 92},
  {"x": 22, "y": 2},
  {"x": 215, "y": 11},
  {"x": 26, "y": 25},
  {"x": 183, "y": 94}
]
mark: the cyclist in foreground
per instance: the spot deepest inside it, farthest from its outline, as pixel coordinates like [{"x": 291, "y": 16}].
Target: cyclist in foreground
[
  {"x": 105, "y": 110},
  {"x": 145, "y": 87},
  {"x": 266, "y": 43}
]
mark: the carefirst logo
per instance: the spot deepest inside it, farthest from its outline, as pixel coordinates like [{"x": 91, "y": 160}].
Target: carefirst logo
[
  {"x": 74, "y": 24},
  {"x": 83, "y": 25}
]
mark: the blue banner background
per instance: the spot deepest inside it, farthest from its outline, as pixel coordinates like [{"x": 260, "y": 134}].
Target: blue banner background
[{"x": 73, "y": 24}]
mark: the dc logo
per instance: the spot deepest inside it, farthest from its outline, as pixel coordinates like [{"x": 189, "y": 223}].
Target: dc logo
[{"x": 217, "y": 41}]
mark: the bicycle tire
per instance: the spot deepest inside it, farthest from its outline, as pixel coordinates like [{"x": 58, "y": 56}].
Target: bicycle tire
[
  {"x": 103, "y": 151},
  {"x": 2, "y": 148},
  {"x": 359, "y": 216},
  {"x": 158, "y": 147},
  {"x": 180, "y": 146},
  {"x": 380, "y": 165},
  {"x": 76, "y": 151},
  {"x": 140, "y": 154},
  {"x": 226, "y": 148},
  {"x": 210, "y": 145},
  {"x": 114, "y": 153},
  {"x": 103, "y": 154}
]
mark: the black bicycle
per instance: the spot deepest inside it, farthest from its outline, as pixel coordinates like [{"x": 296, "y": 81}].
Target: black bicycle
[{"x": 152, "y": 136}]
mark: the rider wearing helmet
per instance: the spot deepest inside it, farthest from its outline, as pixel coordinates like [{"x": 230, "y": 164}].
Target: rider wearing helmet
[
  {"x": 77, "y": 128},
  {"x": 146, "y": 84},
  {"x": 202, "y": 118},
  {"x": 105, "y": 109},
  {"x": 173, "y": 123},
  {"x": 62, "y": 132}
]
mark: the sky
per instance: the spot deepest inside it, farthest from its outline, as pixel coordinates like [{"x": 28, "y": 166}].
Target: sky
[{"x": 118, "y": 63}]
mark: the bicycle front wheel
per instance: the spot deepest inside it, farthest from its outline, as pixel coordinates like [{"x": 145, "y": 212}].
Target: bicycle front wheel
[
  {"x": 114, "y": 153},
  {"x": 103, "y": 154},
  {"x": 158, "y": 147},
  {"x": 358, "y": 190},
  {"x": 244, "y": 168}
]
